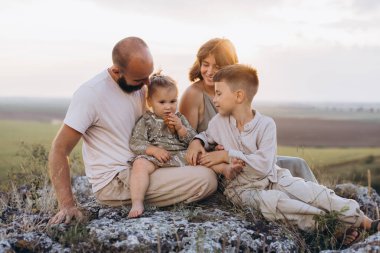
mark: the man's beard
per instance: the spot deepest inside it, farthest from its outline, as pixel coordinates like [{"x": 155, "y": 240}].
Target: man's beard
[{"x": 128, "y": 88}]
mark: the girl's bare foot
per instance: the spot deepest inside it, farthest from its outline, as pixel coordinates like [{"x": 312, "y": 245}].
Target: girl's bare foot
[{"x": 136, "y": 210}]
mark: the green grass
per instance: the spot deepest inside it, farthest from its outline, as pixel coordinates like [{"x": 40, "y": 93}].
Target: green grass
[
  {"x": 15, "y": 134},
  {"x": 340, "y": 165},
  {"x": 321, "y": 157}
]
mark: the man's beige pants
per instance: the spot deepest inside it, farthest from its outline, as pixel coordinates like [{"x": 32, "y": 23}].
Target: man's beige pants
[
  {"x": 167, "y": 186},
  {"x": 291, "y": 199}
]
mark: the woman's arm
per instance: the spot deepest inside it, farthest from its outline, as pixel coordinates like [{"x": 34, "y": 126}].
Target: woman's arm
[{"x": 190, "y": 105}]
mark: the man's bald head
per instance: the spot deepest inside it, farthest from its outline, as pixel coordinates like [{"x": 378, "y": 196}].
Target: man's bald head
[{"x": 127, "y": 49}]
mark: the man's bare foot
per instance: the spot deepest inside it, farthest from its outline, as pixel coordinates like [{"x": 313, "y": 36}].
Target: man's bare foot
[{"x": 136, "y": 210}]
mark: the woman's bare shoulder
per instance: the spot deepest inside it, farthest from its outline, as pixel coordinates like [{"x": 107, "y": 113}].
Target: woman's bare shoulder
[{"x": 193, "y": 93}]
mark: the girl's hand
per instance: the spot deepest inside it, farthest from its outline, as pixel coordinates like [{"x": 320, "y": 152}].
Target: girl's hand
[
  {"x": 173, "y": 121},
  {"x": 160, "y": 154}
]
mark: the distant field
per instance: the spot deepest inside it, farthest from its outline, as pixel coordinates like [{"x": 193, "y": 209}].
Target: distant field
[
  {"x": 34, "y": 109},
  {"x": 14, "y": 133},
  {"x": 324, "y": 157},
  {"x": 326, "y": 111},
  {"x": 309, "y": 125},
  {"x": 337, "y": 139},
  {"x": 327, "y": 133}
]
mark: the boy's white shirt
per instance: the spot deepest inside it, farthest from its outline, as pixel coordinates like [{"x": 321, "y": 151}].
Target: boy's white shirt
[{"x": 256, "y": 145}]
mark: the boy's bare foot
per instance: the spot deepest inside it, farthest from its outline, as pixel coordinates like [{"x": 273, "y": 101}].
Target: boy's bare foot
[
  {"x": 228, "y": 172},
  {"x": 136, "y": 210},
  {"x": 352, "y": 236},
  {"x": 232, "y": 170}
]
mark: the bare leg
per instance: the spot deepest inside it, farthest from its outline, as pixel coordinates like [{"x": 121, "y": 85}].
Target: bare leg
[{"x": 139, "y": 182}]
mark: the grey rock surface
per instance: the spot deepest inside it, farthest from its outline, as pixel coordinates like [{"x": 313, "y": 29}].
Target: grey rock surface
[{"x": 209, "y": 226}]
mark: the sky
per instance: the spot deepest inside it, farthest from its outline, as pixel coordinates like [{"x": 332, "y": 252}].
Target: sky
[{"x": 303, "y": 50}]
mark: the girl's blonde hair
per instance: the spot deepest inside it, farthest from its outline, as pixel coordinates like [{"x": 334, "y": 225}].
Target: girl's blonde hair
[{"x": 157, "y": 80}]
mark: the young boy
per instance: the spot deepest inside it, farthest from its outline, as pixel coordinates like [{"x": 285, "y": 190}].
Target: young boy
[{"x": 248, "y": 136}]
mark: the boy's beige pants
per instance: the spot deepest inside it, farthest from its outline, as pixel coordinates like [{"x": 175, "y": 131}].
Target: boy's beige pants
[
  {"x": 167, "y": 186},
  {"x": 291, "y": 199}
]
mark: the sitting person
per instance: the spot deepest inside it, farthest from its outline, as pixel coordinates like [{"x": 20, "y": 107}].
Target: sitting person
[
  {"x": 262, "y": 185},
  {"x": 160, "y": 137},
  {"x": 196, "y": 103},
  {"x": 103, "y": 111}
]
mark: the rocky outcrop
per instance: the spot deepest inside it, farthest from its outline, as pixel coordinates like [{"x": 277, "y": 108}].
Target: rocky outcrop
[{"x": 210, "y": 226}]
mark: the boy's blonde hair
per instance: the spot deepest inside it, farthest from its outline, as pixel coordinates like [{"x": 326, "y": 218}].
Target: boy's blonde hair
[
  {"x": 239, "y": 76},
  {"x": 157, "y": 80}
]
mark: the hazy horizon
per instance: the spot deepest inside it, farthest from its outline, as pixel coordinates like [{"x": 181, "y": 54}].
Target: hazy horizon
[
  {"x": 261, "y": 102},
  {"x": 324, "y": 51}
]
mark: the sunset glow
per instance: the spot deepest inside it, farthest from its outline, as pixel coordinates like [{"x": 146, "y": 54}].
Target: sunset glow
[{"x": 303, "y": 50}]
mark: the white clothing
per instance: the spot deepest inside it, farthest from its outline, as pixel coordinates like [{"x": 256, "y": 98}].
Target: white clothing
[
  {"x": 264, "y": 186},
  {"x": 105, "y": 115},
  {"x": 259, "y": 132}
]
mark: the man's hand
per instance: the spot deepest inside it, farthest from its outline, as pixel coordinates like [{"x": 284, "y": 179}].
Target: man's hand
[
  {"x": 213, "y": 158},
  {"x": 63, "y": 143},
  {"x": 160, "y": 154},
  {"x": 66, "y": 215},
  {"x": 195, "y": 148}
]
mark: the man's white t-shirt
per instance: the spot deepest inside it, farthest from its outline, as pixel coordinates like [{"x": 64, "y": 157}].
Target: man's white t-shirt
[{"x": 105, "y": 115}]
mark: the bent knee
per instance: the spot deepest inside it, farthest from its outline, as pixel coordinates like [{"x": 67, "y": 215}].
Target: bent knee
[{"x": 143, "y": 165}]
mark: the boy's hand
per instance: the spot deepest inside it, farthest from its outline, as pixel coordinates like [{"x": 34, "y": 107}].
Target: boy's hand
[
  {"x": 213, "y": 158},
  {"x": 193, "y": 151},
  {"x": 160, "y": 154}
]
